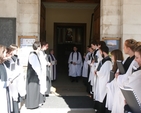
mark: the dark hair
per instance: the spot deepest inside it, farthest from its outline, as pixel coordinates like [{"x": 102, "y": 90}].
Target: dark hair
[
  {"x": 117, "y": 56},
  {"x": 88, "y": 46},
  {"x": 104, "y": 49},
  {"x": 43, "y": 43},
  {"x": 9, "y": 50},
  {"x": 101, "y": 43},
  {"x": 94, "y": 42},
  {"x": 36, "y": 45}
]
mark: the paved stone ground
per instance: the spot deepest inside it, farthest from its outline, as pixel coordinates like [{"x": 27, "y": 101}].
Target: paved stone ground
[{"x": 63, "y": 87}]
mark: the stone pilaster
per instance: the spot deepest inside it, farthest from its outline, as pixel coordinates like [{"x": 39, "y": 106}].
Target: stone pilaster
[
  {"x": 110, "y": 18},
  {"x": 29, "y": 17},
  {"x": 131, "y": 19}
]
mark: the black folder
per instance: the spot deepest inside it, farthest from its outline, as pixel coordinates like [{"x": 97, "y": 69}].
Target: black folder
[
  {"x": 112, "y": 75},
  {"x": 120, "y": 67},
  {"x": 131, "y": 99},
  {"x": 12, "y": 66},
  {"x": 18, "y": 63}
]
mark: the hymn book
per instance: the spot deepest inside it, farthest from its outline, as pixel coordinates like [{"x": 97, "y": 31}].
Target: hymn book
[
  {"x": 131, "y": 99},
  {"x": 120, "y": 67},
  {"x": 112, "y": 75}
]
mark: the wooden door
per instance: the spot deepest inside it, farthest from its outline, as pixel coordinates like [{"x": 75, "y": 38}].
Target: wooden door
[{"x": 96, "y": 24}]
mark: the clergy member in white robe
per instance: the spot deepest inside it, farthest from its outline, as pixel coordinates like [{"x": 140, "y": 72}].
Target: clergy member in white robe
[
  {"x": 33, "y": 80},
  {"x": 53, "y": 62},
  {"x": 85, "y": 64},
  {"x": 44, "y": 64},
  {"x": 96, "y": 58},
  {"x": 103, "y": 74},
  {"x": 75, "y": 64}
]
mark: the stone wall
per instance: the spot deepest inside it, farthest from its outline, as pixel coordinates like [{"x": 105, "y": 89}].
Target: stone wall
[
  {"x": 121, "y": 18},
  {"x": 110, "y": 18},
  {"x": 29, "y": 17},
  {"x": 27, "y": 14}
]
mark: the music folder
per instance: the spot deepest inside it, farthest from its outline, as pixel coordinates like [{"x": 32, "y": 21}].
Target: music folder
[
  {"x": 112, "y": 75},
  {"x": 120, "y": 67},
  {"x": 12, "y": 66},
  {"x": 18, "y": 62},
  {"x": 131, "y": 99}
]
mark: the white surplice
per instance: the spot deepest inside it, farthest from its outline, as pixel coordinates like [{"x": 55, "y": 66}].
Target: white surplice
[
  {"x": 134, "y": 82},
  {"x": 103, "y": 77},
  {"x": 75, "y": 70},
  {"x": 44, "y": 63},
  {"x": 53, "y": 62},
  {"x": 85, "y": 66},
  {"x": 118, "y": 104}
]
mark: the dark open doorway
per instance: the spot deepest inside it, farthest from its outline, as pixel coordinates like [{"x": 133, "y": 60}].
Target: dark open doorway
[{"x": 66, "y": 35}]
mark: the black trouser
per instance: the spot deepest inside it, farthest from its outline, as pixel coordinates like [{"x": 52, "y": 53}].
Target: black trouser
[
  {"x": 85, "y": 81},
  {"x": 100, "y": 106},
  {"x": 127, "y": 109},
  {"x": 73, "y": 79}
]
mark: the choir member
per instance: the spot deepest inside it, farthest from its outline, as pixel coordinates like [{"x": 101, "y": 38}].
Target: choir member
[
  {"x": 115, "y": 55},
  {"x": 6, "y": 101},
  {"x": 103, "y": 74},
  {"x": 129, "y": 47}
]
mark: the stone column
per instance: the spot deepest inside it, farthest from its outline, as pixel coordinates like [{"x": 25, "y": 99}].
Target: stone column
[
  {"x": 29, "y": 18},
  {"x": 131, "y": 19},
  {"x": 110, "y": 18}
]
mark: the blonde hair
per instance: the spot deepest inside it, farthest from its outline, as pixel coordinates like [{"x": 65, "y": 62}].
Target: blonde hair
[
  {"x": 131, "y": 43},
  {"x": 13, "y": 46},
  {"x": 138, "y": 44}
]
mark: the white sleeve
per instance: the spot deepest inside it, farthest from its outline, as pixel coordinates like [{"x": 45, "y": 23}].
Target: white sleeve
[
  {"x": 43, "y": 59},
  {"x": 105, "y": 69},
  {"x": 79, "y": 59},
  {"x": 34, "y": 61}
]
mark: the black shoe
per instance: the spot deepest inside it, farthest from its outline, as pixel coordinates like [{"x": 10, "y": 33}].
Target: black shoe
[{"x": 46, "y": 95}]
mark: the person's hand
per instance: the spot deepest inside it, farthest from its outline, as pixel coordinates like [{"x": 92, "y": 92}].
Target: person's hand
[
  {"x": 95, "y": 72},
  {"x": 125, "y": 102},
  {"x": 93, "y": 61},
  {"x": 74, "y": 63},
  {"x": 116, "y": 75},
  {"x": 84, "y": 57}
]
